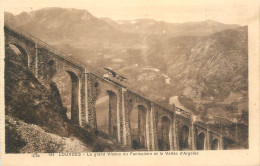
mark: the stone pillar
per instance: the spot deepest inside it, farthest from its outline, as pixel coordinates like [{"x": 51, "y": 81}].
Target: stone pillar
[
  {"x": 171, "y": 134},
  {"x": 36, "y": 60},
  {"x": 192, "y": 134},
  {"x": 86, "y": 96},
  {"x": 175, "y": 143},
  {"x": 82, "y": 113},
  {"x": 90, "y": 101},
  {"x": 125, "y": 124},
  {"x": 119, "y": 116},
  {"x": 42, "y": 68},
  {"x": 147, "y": 126},
  {"x": 82, "y": 99},
  {"x": 190, "y": 144},
  {"x": 153, "y": 131},
  {"x": 221, "y": 144},
  {"x": 207, "y": 147}
]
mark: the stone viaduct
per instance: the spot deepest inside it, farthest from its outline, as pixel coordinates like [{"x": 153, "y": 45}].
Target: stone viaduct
[{"x": 133, "y": 120}]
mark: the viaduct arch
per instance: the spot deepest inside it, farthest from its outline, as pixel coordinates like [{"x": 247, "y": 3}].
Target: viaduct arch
[
  {"x": 163, "y": 131},
  {"x": 24, "y": 56},
  {"x": 200, "y": 141}
]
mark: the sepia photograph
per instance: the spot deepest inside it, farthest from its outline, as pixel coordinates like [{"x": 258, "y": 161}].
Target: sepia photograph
[{"x": 125, "y": 77}]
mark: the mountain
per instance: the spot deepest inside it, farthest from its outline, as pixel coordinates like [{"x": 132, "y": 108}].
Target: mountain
[
  {"x": 210, "y": 72},
  {"x": 153, "y": 27},
  {"x": 153, "y": 31},
  {"x": 213, "y": 60},
  {"x": 86, "y": 34},
  {"x": 68, "y": 26}
]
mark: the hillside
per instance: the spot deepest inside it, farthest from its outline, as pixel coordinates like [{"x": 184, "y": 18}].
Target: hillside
[
  {"x": 211, "y": 71},
  {"x": 35, "y": 117},
  {"x": 28, "y": 100},
  {"x": 214, "y": 60}
]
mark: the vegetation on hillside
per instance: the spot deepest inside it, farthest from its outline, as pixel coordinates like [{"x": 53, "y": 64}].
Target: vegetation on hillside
[{"x": 36, "y": 119}]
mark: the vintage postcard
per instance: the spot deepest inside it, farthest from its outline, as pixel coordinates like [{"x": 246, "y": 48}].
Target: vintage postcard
[{"x": 130, "y": 82}]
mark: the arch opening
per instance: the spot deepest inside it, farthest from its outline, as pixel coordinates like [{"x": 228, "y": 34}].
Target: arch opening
[
  {"x": 22, "y": 55},
  {"x": 51, "y": 63},
  {"x": 138, "y": 127},
  {"x": 164, "y": 133},
  {"x": 184, "y": 138},
  {"x": 69, "y": 96},
  {"x": 112, "y": 113},
  {"x": 74, "y": 97},
  {"x": 200, "y": 142},
  {"x": 106, "y": 112},
  {"x": 51, "y": 67},
  {"x": 215, "y": 144}
]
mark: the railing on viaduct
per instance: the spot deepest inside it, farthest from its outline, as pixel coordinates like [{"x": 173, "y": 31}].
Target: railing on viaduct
[{"x": 178, "y": 118}]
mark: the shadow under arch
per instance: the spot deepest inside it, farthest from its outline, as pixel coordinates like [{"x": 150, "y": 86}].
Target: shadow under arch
[
  {"x": 200, "y": 141},
  {"x": 163, "y": 131},
  {"x": 184, "y": 138},
  {"x": 74, "y": 97},
  {"x": 112, "y": 113},
  {"x": 106, "y": 111},
  {"x": 138, "y": 127},
  {"x": 214, "y": 144}
]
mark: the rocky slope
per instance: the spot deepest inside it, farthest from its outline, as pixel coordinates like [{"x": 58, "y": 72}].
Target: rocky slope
[
  {"x": 28, "y": 138},
  {"x": 28, "y": 100},
  {"x": 35, "y": 118}
]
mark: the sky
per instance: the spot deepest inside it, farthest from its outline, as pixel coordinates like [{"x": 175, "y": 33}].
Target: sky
[{"x": 225, "y": 11}]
